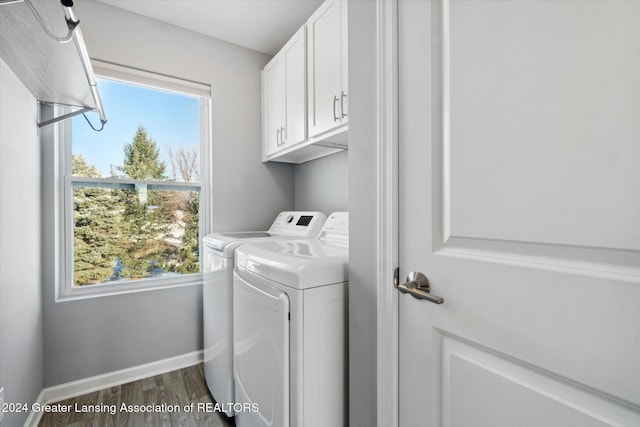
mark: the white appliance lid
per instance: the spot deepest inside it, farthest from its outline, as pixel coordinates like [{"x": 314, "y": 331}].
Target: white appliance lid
[
  {"x": 304, "y": 263},
  {"x": 299, "y": 264},
  {"x": 303, "y": 224},
  {"x": 245, "y": 234}
]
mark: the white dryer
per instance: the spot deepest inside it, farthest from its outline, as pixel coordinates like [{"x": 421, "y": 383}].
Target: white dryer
[
  {"x": 218, "y": 264},
  {"x": 290, "y": 329}
]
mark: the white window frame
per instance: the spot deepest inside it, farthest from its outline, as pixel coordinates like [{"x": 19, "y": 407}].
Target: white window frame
[{"x": 65, "y": 289}]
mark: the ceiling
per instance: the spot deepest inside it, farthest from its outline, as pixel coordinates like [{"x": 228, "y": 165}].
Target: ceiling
[{"x": 262, "y": 25}]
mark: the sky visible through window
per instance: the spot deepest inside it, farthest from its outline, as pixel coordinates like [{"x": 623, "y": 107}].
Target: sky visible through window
[{"x": 171, "y": 120}]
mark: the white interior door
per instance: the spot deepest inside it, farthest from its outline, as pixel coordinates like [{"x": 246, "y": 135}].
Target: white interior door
[{"x": 519, "y": 148}]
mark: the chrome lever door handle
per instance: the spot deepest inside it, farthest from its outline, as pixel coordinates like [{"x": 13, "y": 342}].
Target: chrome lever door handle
[{"x": 417, "y": 286}]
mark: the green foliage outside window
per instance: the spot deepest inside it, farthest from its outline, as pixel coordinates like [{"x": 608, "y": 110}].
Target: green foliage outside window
[{"x": 134, "y": 234}]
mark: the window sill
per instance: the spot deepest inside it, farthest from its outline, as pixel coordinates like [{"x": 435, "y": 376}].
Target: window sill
[{"x": 126, "y": 287}]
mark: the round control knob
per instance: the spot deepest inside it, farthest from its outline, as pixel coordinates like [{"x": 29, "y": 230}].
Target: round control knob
[{"x": 289, "y": 219}]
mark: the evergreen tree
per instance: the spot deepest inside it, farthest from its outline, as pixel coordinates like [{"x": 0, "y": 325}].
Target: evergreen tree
[
  {"x": 191, "y": 239},
  {"x": 189, "y": 257},
  {"x": 97, "y": 224},
  {"x": 80, "y": 167},
  {"x": 185, "y": 166},
  {"x": 142, "y": 158},
  {"x": 145, "y": 214}
]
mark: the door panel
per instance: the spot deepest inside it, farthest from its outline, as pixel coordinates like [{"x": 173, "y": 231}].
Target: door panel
[
  {"x": 518, "y": 200},
  {"x": 476, "y": 378},
  {"x": 541, "y": 136},
  {"x": 296, "y": 83},
  {"x": 324, "y": 65},
  {"x": 273, "y": 92}
]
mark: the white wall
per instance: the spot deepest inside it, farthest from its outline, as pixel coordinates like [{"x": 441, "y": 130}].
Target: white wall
[
  {"x": 89, "y": 337},
  {"x": 322, "y": 184},
  {"x": 21, "y": 355},
  {"x": 362, "y": 213}
]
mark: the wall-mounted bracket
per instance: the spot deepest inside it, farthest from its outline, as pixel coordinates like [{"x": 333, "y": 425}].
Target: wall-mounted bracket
[{"x": 64, "y": 117}]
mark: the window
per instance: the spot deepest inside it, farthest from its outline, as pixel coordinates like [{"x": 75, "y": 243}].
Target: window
[{"x": 135, "y": 194}]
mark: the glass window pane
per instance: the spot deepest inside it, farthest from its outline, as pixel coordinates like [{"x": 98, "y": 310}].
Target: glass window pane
[
  {"x": 151, "y": 134},
  {"x": 131, "y": 234}
]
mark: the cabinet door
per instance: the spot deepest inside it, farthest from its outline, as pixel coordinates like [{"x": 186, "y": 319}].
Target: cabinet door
[
  {"x": 294, "y": 56},
  {"x": 344, "y": 62},
  {"x": 325, "y": 68},
  {"x": 273, "y": 105}
]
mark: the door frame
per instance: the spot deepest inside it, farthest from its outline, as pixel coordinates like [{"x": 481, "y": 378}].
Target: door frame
[{"x": 387, "y": 212}]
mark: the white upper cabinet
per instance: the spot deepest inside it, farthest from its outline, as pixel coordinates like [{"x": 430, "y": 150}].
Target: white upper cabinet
[
  {"x": 327, "y": 68},
  {"x": 284, "y": 97},
  {"x": 295, "y": 69},
  {"x": 304, "y": 90},
  {"x": 273, "y": 106}
]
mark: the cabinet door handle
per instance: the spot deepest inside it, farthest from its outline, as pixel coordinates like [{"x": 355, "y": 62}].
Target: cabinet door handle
[
  {"x": 278, "y": 133},
  {"x": 335, "y": 118},
  {"x": 342, "y": 97}
]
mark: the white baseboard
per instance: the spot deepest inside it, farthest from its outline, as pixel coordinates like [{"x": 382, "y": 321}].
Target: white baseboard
[
  {"x": 34, "y": 417},
  {"x": 110, "y": 379}
]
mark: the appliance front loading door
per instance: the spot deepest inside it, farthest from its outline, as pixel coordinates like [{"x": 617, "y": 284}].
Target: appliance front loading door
[{"x": 261, "y": 354}]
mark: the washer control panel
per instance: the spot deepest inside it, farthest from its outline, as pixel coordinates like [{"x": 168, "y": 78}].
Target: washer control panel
[{"x": 299, "y": 224}]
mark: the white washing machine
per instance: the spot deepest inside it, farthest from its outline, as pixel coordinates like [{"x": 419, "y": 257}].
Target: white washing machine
[
  {"x": 290, "y": 330},
  {"x": 218, "y": 264}
]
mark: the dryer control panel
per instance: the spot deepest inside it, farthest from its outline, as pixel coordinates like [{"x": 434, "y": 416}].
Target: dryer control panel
[
  {"x": 336, "y": 228},
  {"x": 299, "y": 224}
]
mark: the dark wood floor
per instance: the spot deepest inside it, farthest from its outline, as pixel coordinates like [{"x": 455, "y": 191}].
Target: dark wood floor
[{"x": 174, "y": 389}]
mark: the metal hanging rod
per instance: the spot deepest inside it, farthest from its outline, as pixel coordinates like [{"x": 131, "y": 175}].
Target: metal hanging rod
[
  {"x": 75, "y": 34},
  {"x": 72, "y": 22}
]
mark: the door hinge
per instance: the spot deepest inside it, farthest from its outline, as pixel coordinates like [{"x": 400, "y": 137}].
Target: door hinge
[{"x": 396, "y": 277}]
